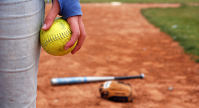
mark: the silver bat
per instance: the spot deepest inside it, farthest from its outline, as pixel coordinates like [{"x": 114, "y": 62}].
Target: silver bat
[{"x": 75, "y": 80}]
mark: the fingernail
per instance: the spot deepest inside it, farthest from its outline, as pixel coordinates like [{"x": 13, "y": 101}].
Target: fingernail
[{"x": 44, "y": 26}]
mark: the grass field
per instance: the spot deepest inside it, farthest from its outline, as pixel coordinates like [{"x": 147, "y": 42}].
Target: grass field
[{"x": 180, "y": 23}]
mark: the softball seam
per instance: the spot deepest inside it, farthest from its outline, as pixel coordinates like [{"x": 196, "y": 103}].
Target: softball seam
[{"x": 56, "y": 37}]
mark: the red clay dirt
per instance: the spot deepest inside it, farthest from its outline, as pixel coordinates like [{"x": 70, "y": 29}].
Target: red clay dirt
[{"x": 120, "y": 42}]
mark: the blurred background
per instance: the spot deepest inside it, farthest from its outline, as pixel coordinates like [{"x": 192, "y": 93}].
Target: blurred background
[{"x": 159, "y": 38}]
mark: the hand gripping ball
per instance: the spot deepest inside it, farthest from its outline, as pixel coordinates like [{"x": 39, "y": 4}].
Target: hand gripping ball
[{"x": 54, "y": 39}]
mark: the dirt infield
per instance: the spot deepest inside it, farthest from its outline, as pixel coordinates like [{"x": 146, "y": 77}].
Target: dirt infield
[{"x": 121, "y": 42}]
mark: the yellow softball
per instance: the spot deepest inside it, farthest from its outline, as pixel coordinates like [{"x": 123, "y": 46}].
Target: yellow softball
[{"x": 54, "y": 39}]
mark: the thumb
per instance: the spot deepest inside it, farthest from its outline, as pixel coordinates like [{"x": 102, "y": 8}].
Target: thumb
[{"x": 51, "y": 15}]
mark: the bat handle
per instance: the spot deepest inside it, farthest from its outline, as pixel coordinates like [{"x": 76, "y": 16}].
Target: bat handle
[
  {"x": 130, "y": 77},
  {"x": 142, "y": 75}
]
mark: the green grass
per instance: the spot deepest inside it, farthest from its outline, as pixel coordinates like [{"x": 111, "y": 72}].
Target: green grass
[
  {"x": 141, "y": 1},
  {"x": 182, "y": 24}
]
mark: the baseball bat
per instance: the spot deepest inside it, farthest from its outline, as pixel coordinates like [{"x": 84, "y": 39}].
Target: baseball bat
[{"x": 75, "y": 80}]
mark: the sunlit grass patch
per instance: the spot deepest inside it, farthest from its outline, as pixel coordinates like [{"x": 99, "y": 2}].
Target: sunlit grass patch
[{"x": 182, "y": 24}]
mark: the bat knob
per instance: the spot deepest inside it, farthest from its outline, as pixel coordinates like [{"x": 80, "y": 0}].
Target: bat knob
[{"x": 142, "y": 75}]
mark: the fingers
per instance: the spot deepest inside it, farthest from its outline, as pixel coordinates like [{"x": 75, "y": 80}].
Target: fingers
[
  {"x": 81, "y": 37},
  {"x": 51, "y": 15},
  {"x": 78, "y": 33},
  {"x": 73, "y": 22}
]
